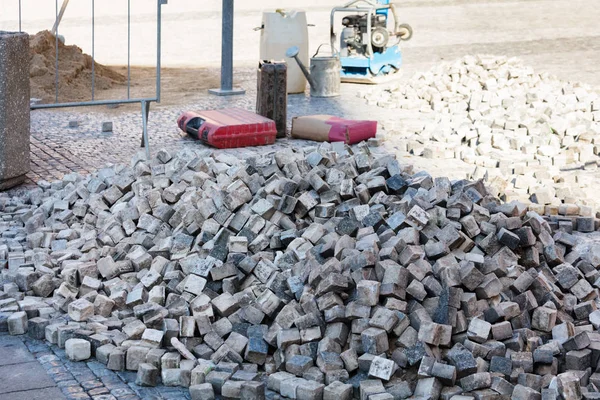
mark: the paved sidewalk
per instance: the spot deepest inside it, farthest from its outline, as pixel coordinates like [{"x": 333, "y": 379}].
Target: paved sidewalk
[
  {"x": 23, "y": 377},
  {"x": 32, "y": 369}
]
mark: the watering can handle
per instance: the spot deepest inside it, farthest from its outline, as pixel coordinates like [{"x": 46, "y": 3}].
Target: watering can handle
[{"x": 334, "y": 53}]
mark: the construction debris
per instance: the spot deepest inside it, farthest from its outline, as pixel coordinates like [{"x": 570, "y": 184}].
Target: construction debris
[
  {"x": 531, "y": 136},
  {"x": 333, "y": 274}
]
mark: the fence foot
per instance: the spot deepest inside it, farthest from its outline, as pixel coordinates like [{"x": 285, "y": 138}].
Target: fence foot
[
  {"x": 145, "y": 143},
  {"x": 226, "y": 92}
]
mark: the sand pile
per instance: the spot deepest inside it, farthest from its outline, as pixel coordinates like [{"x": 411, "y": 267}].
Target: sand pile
[{"x": 75, "y": 71}]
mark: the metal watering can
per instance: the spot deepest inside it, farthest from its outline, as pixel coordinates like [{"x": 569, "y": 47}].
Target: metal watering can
[{"x": 324, "y": 77}]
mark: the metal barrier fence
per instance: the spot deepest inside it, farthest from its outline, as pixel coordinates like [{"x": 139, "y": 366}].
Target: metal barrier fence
[{"x": 144, "y": 101}]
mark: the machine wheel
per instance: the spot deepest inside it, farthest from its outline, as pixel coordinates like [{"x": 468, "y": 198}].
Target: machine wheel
[
  {"x": 379, "y": 37},
  {"x": 404, "y": 32}
]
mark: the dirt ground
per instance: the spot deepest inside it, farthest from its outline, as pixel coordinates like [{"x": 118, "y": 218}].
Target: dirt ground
[
  {"x": 558, "y": 36},
  {"x": 178, "y": 85}
]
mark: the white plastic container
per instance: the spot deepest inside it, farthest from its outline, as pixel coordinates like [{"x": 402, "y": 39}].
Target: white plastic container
[{"x": 280, "y": 31}]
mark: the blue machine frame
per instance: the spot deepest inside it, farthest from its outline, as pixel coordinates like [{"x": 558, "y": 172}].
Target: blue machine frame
[{"x": 367, "y": 67}]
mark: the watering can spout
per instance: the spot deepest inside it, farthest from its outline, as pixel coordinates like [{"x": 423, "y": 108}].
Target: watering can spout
[{"x": 292, "y": 52}]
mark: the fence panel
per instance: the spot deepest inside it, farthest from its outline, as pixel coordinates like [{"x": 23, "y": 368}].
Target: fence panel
[{"x": 143, "y": 101}]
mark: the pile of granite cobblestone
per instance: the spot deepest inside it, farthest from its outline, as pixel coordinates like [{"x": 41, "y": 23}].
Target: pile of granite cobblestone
[
  {"x": 533, "y": 137},
  {"x": 326, "y": 273}
]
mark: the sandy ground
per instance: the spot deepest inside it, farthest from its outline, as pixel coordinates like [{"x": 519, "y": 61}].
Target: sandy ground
[{"x": 558, "y": 36}]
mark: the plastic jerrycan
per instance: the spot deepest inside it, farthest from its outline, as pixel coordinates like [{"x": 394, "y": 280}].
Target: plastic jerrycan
[{"x": 280, "y": 31}]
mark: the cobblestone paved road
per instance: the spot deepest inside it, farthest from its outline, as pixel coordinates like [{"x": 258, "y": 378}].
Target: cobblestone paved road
[{"x": 58, "y": 149}]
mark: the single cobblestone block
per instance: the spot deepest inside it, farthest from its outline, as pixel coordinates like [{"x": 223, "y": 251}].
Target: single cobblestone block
[
  {"x": 103, "y": 353},
  {"x": 350, "y": 359},
  {"x": 103, "y": 305},
  {"x": 522, "y": 360},
  {"x": 445, "y": 373},
  {"x": 289, "y": 387},
  {"x": 176, "y": 377},
  {"x": 435, "y": 334},
  {"x": 170, "y": 360},
  {"x": 428, "y": 387},
  {"x": 463, "y": 360},
  {"x": 508, "y": 238},
  {"x": 116, "y": 359},
  {"x": 549, "y": 394},
  {"x": 586, "y": 224},
  {"x": 309, "y": 390},
  {"x": 368, "y": 292},
  {"x": 107, "y": 127},
  {"x": 382, "y": 368},
  {"x": 202, "y": 392},
  {"x": 231, "y": 390},
  {"x": 134, "y": 330},
  {"x": 78, "y": 349},
  {"x": 521, "y": 392},
  {"x": 152, "y": 337},
  {"x": 502, "y": 330},
  {"x": 44, "y": 286},
  {"x": 256, "y": 350},
  {"x": 17, "y": 323},
  {"x": 374, "y": 341},
  {"x": 51, "y": 334},
  {"x": 136, "y": 355},
  {"x": 481, "y": 380},
  {"x": 274, "y": 380},
  {"x": 147, "y": 375},
  {"x": 479, "y": 330},
  {"x": 338, "y": 391},
  {"x": 501, "y": 364},
  {"x": 81, "y": 310},
  {"x": 543, "y": 319},
  {"x": 298, "y": 364},
  {"x": 578, "y": 359},
  {"x": 36, "y": 327},
  {"x": 578, "y": 341},
  {"x": 252, "y": 390}
]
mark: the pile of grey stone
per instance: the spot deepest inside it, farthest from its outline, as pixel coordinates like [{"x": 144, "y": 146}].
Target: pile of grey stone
[
  {"x": 533, "y": 137},
  {"x": 327, "y": 273}
]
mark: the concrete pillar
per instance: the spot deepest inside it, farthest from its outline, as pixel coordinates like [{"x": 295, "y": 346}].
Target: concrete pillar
[{"x": 14, "y": 108}]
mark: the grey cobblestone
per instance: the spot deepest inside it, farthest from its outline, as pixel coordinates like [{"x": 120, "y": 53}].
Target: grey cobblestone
[
  {"x": 57, "y": 150},
  {"x": 92, "y": 380}
]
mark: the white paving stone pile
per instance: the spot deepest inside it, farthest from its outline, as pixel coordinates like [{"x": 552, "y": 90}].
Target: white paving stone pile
[
  {"x": 325, "y": 273},
  {"x": 532, "y": 136}
]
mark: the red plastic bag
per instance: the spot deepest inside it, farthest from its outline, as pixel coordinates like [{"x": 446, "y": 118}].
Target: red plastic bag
[{"x": 328, "y": 128}]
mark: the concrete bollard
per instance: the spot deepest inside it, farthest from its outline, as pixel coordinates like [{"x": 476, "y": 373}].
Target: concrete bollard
[{"x": 14, "y": 108}]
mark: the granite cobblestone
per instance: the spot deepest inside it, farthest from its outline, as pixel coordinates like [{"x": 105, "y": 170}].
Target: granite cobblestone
[
  {"x": 92, "y": 380},
  {"x": 57, "y": 150}
]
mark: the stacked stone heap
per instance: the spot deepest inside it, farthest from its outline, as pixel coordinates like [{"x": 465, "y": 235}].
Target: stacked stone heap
[
  {"x": 332, "y": 274},
  {"x": 524, "y": 131}
]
